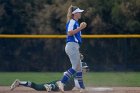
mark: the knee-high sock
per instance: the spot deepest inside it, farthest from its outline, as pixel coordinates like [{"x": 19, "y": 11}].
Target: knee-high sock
[
  {"x": 79, "y": 77},
  {"x": 25, "y": 83},
  {"x": 67, "y": 75}
]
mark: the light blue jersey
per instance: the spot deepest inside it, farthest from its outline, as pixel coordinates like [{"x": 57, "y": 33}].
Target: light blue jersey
[{"x": 72, "y": 25}]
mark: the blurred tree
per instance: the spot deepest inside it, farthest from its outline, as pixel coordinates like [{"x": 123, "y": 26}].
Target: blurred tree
[
  {"x": 49, "y": 17},
  {"x": 125, "y": 16}
]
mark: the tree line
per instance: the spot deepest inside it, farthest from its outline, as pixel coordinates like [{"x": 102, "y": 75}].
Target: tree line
[{"x": 49, "y": 17}]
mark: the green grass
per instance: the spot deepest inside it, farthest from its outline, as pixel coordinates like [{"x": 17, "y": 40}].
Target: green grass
[
  {"x": 91, "y": 79},
  {"x": 113, "y": 79}
]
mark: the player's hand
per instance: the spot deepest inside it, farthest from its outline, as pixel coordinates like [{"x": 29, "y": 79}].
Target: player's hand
[{"x": 83, "y": 25}]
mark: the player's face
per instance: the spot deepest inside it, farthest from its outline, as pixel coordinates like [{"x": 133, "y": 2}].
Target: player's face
[{"x": 78, "y": 15}]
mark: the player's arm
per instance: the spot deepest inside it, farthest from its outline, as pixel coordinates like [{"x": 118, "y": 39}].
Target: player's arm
[{"x": 72, "y": 32}]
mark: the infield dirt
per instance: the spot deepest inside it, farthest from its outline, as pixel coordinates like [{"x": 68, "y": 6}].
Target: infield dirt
[{"x": 6, "y": 89}]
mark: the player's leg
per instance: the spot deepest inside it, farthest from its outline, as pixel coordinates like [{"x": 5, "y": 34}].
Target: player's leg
[
  {"x": 67, "y": 75},
  {"x": 79, "y": 74},
  {"x": 14, "y": 84},
  {"x": 72, "y": 50},
  {"x": 46, "y": 86},
  {"x": 78, "y": 66},
  {"x": 17, "y": 83},
  {"x": 79, "y": 78}
]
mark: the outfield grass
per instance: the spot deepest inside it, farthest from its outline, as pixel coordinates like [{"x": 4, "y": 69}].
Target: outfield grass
[{"x": 91, "y": 79}]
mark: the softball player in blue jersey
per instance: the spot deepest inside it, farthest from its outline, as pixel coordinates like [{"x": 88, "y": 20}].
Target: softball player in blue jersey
[{"x": 73, "y": 41}]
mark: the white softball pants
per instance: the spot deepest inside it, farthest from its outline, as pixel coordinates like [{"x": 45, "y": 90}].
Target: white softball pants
[{"x": 72, "y": 50}]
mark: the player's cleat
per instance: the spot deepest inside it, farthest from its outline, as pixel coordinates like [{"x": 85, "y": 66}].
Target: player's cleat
[
  {"x": 60, "y": 86},
  {"x": 48, "y": 87},
  {"x": 15, "y": 84},
  {"x": 76, "y": 88},
  {"x": 82, "y": 90}
]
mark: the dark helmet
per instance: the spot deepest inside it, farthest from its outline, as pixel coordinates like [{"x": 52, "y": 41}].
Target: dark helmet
[{"x": 85, "y": 67}]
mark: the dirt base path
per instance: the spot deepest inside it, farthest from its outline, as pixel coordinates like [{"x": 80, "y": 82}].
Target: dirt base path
[{"x": 5, "y": 89}]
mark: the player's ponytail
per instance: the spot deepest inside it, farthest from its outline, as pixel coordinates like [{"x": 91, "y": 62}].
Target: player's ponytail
[
  {"x": 70, "y": 10},
  {"x": 69, "y": 14}
]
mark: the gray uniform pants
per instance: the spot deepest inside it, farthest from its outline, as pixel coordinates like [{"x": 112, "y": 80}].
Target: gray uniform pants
[{"x": 72, "y": 50}]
